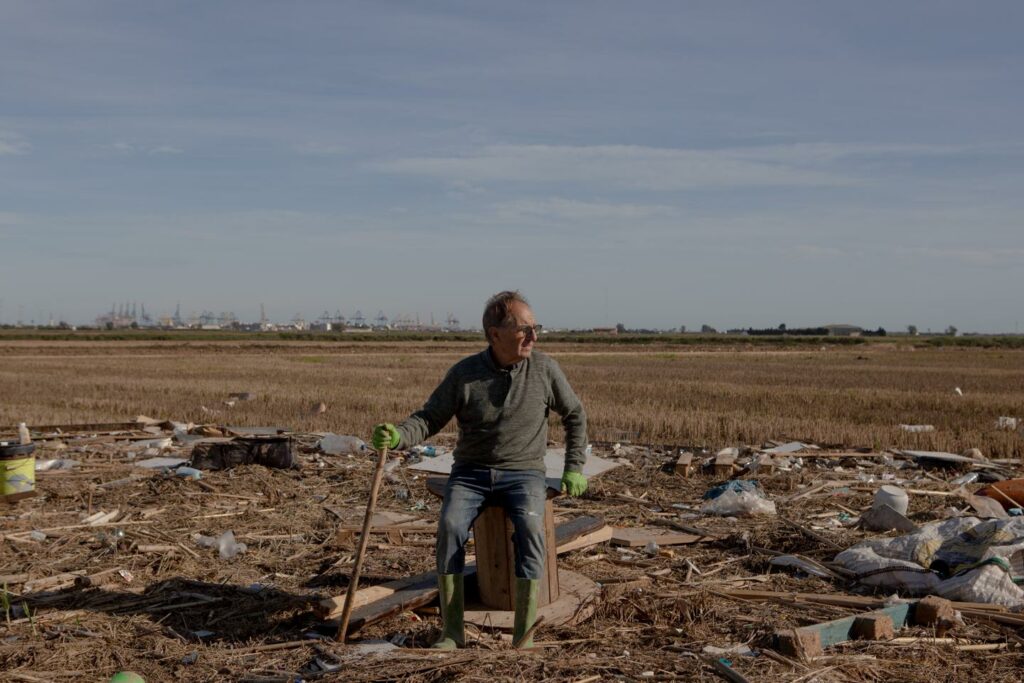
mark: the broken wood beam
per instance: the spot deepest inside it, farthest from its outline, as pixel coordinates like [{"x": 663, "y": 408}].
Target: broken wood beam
[
  {"x": 808, "y": 642},
  {"x": 684, "y": 464},
  {"x": 601, "y": 535},
  {"x": 576, "y": 528},
  {"x": 724, "y": 465},
  {"x": 91, "y": 427}
]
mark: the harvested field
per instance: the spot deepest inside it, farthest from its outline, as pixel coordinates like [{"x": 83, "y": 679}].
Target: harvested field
[
  {"x": 840, "y": 395},
  {"x": 179, "y": 612}
]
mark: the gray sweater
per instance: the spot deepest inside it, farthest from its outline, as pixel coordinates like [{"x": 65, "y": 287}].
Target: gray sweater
[{"x": 502, "y": 413}]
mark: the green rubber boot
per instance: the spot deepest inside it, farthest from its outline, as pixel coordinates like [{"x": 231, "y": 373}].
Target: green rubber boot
[
  {"x": 526, "y": 611},
  {"x": 453, "y": 634}
]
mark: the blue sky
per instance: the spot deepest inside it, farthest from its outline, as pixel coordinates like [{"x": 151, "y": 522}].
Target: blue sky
[{"x": 650, "y": 163}]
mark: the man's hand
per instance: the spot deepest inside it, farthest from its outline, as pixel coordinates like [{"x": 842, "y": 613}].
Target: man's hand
[
  {"x": 385, "y": 435},
  {"x": 574, "y": 483}
]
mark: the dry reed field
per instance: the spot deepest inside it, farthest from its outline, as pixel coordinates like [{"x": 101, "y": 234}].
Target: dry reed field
[
  {"x": 835, "y": 395},
  {"x": 81, "y": 602}
]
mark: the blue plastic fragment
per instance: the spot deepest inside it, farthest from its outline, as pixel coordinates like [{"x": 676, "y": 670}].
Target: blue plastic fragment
[{"x": 737, "y": 485}]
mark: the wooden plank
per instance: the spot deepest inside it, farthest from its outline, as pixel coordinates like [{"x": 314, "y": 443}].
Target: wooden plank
[
  {"x": 633, "y": 537},
  {"x": 684, "y": 464},
  {"x": 91, "y": 427},
  {"x": 549, "y": 588},
  {"x": 593, "y": 538},
  {"x": 329, "y": 608},
  {"x": 575, "y": 528},
  {"x": 810, "y": 641},
  {"x": 415, "y": 595},
  {"x": 724, "y": 465},
  {"x": 495, "y": 558},
  {"x": 575, "y": 603}
]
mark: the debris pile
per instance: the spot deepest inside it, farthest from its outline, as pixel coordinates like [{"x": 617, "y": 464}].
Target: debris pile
[{"x": 205, "y": 552}]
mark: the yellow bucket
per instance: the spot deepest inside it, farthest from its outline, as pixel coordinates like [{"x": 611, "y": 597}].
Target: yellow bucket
[{"x": 18, "y": 468}]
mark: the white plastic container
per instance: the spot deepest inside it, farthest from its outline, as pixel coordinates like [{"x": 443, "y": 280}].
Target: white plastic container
[
  {"x": 893, "y": 496},
  {"x": 342, "y": 444}
]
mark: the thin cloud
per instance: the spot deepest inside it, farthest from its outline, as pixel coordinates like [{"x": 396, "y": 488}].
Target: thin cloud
[
  {"x": 668, "y": 169},
  {"x": 13, "y": 144},
  {"x": 132, "y": 148},
  {"x": 970, "y": 256},
  {"x": 574, "y": 210},
  {"x": 618, "y": 166}
]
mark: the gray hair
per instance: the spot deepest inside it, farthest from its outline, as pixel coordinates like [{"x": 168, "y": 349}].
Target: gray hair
[{"x": 496, "y": 310}]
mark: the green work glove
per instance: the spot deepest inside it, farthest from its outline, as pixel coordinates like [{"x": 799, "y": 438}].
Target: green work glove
[
  {"x": 574, "y": 483},
  {"x": 385, "y": 435}
]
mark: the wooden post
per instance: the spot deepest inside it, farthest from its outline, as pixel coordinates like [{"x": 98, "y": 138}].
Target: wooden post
[
  {"x": 495, "y": 558},
  {"x": 363, "y": 540},
  {"x": 724, "y": 465},
  {"x": 684, "y": 465}
]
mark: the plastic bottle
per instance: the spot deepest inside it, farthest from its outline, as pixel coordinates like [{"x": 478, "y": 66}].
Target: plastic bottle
[
  {"x": 188, "y": 473},
  {"x": 968, "y": 478},
  {"x": 24, "y": 437},
  {"x": 342, "y": 444},
  {"x": 425, "y": 451}
]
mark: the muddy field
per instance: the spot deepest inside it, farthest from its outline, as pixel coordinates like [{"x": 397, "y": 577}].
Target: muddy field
[{"x": 168, "y": 608}]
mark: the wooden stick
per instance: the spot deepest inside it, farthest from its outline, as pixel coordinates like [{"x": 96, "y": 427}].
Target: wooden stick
[{"x": 364, "y": 537}]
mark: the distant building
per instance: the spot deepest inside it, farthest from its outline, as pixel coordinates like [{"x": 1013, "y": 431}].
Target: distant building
[
  {"x": 605, "y": 330},
  {"x": 843, "y": 330}
]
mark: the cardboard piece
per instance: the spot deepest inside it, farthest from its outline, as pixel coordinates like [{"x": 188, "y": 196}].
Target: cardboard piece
[{"x": 633, "y": 537}]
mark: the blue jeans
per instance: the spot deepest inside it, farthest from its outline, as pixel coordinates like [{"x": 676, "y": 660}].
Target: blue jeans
[{"x": 470, "y": 489}]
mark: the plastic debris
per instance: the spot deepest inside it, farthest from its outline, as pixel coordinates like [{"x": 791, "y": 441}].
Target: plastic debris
[
  {"x": 968, "y": 478},
  {"x": 225, "y": 544},
  {"x": 963, "y": 558},
  {"x": 740, "y": 649},
  {"x": 188, "y": 473},
  {"x": 160, "y": 463},
  {"x": 801, "y": 564},
  {"x": 228, "y": 547},
  {"x": 893, "y": 496},
  {"x": 739, "y": 504},
  {"x": 51, "y": 465},
  {"x": 736, "y": 485},
  {"x": 342, "y": 444},
  {"x": 918, "y": 428}
]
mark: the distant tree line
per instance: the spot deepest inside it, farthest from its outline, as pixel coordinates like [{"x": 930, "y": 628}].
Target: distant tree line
[{"x": 806, "y": 331}]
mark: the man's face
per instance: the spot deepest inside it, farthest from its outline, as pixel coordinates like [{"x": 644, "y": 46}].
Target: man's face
[{"x": 513, "y": 341}]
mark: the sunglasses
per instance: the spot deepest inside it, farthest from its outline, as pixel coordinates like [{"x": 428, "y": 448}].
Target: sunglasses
[{"x": 526, "y": 329}]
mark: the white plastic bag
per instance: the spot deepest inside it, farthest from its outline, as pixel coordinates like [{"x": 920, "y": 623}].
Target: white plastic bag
[{"x": 738, "y": 504}]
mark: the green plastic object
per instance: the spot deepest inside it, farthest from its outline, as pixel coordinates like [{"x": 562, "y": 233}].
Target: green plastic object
[
  {"x": 127, "y": 677},
  {"x": 574, "y": 483}
]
